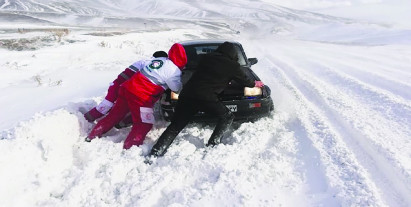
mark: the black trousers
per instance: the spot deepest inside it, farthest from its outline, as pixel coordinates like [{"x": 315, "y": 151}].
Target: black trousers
[{"x": 185, "y": 110}]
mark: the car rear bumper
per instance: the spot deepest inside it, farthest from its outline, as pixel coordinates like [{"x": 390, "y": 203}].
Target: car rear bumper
[{"x": 246, "y": 109}]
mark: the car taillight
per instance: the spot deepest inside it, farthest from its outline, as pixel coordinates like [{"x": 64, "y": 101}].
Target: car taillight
[
  {"x": 174, "y": 96},
  {"x": 256, "y": 91},
  {"x": 254, "y": 105}
]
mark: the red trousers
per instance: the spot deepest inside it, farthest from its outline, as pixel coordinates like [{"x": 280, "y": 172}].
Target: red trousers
[{"x": 126, "y": 102}]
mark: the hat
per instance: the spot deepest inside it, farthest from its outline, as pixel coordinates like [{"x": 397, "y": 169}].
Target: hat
[
  {"x": 228, "y": 49},
  {"x": 177, "y": 55},
  {"x": 159, "y": 53}
]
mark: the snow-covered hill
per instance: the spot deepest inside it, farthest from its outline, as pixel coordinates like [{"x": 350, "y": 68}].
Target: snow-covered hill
[
  {"x": 340, "y": 135},
  {"x": 100, "y": 7},
  {"x": 105, "y": 13}
]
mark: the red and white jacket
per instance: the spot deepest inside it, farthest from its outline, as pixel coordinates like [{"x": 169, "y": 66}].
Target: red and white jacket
[
  {"x": 152, "y": 77},
  {"x": 148, "y": 79}
]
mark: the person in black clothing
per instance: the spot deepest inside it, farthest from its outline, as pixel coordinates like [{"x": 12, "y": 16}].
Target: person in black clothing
[{"x": 213, "y": 75}]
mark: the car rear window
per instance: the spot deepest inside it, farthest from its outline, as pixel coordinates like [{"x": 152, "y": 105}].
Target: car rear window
[{"x": 194, "y": 53}]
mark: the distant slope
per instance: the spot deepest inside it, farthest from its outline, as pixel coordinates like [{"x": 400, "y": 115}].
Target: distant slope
[
  {"x": 238, "y": 14},
  {"x": 68, "y": 7}
]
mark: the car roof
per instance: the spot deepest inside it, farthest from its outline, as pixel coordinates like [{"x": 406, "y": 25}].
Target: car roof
[{"x": 206, "y": 41}]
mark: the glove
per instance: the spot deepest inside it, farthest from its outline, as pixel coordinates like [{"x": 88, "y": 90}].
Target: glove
[
  {"x": 92, "y": 115},
  {"x": 104, "y": 106},
  {"x": 259, "y": 84}
]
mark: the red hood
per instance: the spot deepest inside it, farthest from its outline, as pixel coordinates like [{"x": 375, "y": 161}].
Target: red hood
[{"x": 177, "y": 54}]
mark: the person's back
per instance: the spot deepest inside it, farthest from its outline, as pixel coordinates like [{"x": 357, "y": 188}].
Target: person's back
[
  {"x": 214, "y": 72},
  {"x": 155, "y": 76}
]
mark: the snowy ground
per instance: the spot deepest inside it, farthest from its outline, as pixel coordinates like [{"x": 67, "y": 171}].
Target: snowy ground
[{"x": 340, "y": 135}]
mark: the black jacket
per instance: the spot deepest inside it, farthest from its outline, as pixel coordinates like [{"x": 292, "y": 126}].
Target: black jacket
[{"x": 214, "y": 72}]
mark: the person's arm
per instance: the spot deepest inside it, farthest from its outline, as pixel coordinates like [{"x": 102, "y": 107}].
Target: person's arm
[
  {"x": 241, "y": 77},
  {"x": 174, "y": 83},
  {"x": 259, "y": 84},
  {"x": 173, "y": 79}
]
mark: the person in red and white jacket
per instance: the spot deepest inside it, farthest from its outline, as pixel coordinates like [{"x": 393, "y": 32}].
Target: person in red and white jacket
[
  {"x": 112, "y": 93},
  {"x": 139, "y": 94}
]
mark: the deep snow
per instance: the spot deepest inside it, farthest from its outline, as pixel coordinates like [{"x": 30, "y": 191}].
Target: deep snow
[{"x": 340, "y": 135}]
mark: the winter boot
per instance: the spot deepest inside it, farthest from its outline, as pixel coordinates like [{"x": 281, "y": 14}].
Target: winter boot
[
  {"x": 165, "y": 140},
  {"x": 221, "y": 129}
]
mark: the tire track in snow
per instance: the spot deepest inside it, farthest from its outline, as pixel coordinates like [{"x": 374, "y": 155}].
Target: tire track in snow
[
  {"x": 379, "y": 117},
  {"x": 317, "y": 185},
  {"x": 314, "y": 170},
  {"x": 340, "y": 131},
  {"x": 359, "y": 67},
  {"x": 344, "y": 175},
  {"x": 393, "y": 60}
]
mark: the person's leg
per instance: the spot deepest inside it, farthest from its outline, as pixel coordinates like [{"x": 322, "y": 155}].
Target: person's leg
[
  {"x": 119, "y": 110},
  {"x": 137, "y": 134},
  {"x": 140, "y": 126},
  {"x": 185, "y": 110},
  {"x": 224, "y": 120},
  {"x": 142, "y": 119},
  {"x": 125, "y": 122}
]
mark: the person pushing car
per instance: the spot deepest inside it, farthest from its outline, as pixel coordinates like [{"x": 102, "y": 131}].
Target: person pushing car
[
  {"x": 139, "y": 94},
  {"x": 112, "y": 93},
  {"x": 214, "y": 73}
]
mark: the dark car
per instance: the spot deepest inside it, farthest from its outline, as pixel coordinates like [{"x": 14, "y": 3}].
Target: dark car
[{"x": 246, "y": 103}]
